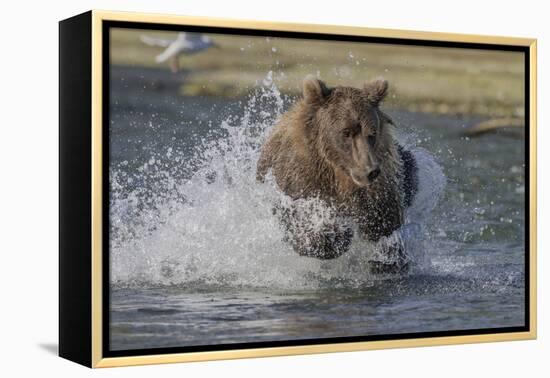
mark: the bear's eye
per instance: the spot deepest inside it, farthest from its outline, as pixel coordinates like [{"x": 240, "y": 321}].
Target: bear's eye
[
  {"x": 371, "y": 139},
  {"x": 346, "y": 133}
]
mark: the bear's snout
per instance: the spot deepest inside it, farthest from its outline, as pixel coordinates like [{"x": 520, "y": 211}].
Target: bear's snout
[{"x": 364, "y": 177}]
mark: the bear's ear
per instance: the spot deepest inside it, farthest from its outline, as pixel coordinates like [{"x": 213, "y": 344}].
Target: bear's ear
[
  {"x": 314, "y": 89},
  {"x": 376, "y": 91}
]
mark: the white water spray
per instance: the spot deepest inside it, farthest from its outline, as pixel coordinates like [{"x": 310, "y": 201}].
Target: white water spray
[{"x": 215, "y": 226}]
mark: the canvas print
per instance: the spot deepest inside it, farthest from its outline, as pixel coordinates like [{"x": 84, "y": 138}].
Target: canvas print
[{"x": 285, "y": 189}]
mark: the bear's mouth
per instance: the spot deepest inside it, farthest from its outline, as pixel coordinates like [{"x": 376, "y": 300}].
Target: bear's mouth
[
  {"x": 365, "y": 179},
  {"x": 360, "y": 180}
]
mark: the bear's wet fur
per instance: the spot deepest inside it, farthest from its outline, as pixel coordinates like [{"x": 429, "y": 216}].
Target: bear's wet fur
[{"x": 335, "y": 144}]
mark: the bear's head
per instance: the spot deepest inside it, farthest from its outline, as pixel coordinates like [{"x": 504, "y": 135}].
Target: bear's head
[{"x": 350, "y": 131}]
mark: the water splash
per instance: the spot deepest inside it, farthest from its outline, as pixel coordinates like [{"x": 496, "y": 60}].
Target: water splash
[{"x": 205, "y": 221}]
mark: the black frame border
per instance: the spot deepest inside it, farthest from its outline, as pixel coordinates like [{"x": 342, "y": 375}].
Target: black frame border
[{"x": 107, "y": 25}]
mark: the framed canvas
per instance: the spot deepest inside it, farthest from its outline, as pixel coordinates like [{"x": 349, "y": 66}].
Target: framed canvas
[{"x": 234, "y": 189}]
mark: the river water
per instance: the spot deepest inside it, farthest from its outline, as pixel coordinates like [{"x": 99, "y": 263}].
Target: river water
[{"x": 198, "y": 258}]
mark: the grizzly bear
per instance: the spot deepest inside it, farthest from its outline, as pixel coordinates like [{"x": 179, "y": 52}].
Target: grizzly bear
[{"x": 337, "y": 146}]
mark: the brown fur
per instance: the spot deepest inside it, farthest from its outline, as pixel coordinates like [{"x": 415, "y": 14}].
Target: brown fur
[{"x": 321, "y": 148}]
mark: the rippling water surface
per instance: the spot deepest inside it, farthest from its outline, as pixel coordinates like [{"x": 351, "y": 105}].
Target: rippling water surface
[{"x": 197, "y": 257}]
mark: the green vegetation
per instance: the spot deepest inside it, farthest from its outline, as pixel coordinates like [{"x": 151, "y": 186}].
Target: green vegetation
[{"x": 440, "y": 80}]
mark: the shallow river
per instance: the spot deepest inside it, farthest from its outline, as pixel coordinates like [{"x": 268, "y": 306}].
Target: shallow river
[{"x": 197, "y": 257}]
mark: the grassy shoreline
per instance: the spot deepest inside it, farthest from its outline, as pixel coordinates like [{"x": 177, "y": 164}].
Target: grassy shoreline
[{"x": 426, "y": 79}]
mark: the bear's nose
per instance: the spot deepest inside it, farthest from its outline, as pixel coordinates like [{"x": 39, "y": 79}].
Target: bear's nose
[{"x": 373, "y": 174}]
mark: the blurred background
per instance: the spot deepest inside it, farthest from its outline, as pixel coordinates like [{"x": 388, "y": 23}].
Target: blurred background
[{"x": 428, "y": 79}]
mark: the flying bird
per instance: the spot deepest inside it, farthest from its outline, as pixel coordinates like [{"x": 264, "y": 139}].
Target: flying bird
[{"x": 185, "y": 43}]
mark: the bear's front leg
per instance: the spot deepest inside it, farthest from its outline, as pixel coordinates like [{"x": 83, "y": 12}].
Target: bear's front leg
[
  {"x": 392, "y": 258},
  {"x": 330, "y": 243},
  {"x": 379, "y": 222},
  {"x": 325, "y": 241}
]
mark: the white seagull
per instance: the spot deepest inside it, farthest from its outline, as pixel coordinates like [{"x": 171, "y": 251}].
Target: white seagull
[{"x": 185, "y": 43}]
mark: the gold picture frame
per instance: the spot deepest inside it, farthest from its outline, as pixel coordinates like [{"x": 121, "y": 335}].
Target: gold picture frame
[{"x": 82, "y": 257}]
